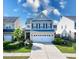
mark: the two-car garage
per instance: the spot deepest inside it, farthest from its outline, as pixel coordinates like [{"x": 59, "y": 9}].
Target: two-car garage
[{"x": 42, "y": 36}]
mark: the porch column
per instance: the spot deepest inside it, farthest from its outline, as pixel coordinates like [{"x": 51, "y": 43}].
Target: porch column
[{"x": 25, "y": 34}]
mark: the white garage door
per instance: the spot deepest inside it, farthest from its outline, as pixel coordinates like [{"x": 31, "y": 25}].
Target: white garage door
[
  {"x": 42, "y": 38},
  {"x": 7, "y": 37}
]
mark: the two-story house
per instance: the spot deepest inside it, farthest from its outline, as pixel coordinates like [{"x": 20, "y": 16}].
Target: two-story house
[
  {"x": 40, "y": 29},
  {"x": 9, "y": 25},
  {"x": 67, "y": 27}
]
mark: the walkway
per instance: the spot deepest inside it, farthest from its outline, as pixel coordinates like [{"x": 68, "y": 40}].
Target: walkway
[
  {"x": 16, "y": 54},
  {"x": 69, "y": 54},
  {"x": 45, "y": 51}
]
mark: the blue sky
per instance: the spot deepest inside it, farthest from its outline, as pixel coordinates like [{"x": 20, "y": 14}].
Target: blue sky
[{"x": 30, "y": 8}]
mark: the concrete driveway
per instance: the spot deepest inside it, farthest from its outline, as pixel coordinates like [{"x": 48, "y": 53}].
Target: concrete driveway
[{"x": 45, "y": 51}]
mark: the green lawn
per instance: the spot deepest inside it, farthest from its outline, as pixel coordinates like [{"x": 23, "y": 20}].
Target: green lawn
[
  {"x": 71, "y": 57},
  {"x": 16, "y": 57},
  {"x": 23, "y": 49},
  {"x": 65, "y": 49}
]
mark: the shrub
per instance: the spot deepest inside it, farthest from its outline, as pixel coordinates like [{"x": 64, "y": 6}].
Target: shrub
[
  {"x": 12, "y": 46},
  {"x": 5, "y": 43},
  {"x": 67, "y": 43},
  {"x": 28, "y": 43},
  {"x": 58, "y": 40}
]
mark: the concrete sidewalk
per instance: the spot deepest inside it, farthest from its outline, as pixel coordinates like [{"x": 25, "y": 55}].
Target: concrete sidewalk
[
  {"x": 45, "y": 51},
  {"x": 16, "y": 54},
  {"x": 69, "y": 54}
]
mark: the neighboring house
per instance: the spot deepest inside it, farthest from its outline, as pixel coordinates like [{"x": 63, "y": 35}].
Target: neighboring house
[
  {"x": 40, "y": 29},
  {"x": 67, "y": 27},
  {"x": 9, "y": 25}
]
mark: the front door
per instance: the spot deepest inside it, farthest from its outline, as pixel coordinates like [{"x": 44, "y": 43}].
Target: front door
[{"x": 28, "y": 35}]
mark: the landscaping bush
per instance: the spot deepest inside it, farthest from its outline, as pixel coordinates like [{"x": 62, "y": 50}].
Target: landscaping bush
[
  {"x": 67, "y": 43},
  {"x": 28, "y": 43},
  {"x": 12, "y": 46},
  {"x": 5, "y": 43},
  {"x": 58, "y": 41}
]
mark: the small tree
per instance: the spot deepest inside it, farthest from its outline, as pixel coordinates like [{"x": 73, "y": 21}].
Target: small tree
[{"x": 17, "y": 34}]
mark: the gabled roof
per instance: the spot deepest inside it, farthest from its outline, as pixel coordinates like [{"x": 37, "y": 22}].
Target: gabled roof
[
  {"x": 41, "y": 16},
  {"x": 9, "y": 19},
  {"x": 28, "y": 20},
  {"x": 71, "y": 17}
]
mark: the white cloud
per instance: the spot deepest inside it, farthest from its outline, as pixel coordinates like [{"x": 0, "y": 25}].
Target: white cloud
[
  {"x": 24, "y": 5},
  {"x": 15, "y": 10},
  {"x": 62, "y": 4},
  {"x": 56, "y": 12},
  {"x": 45, "y": 12},
  {"x": 51, "y": 9},
  {"x": 46, "y": 1},
  {"x": 19, "y": 1},
  {"x": 34, "y": 4}
]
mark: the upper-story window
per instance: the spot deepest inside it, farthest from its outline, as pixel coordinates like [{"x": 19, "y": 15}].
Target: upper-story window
[
  {"x": 50, "y": 25},
  {"x": 39, "y": 25},
  {"x": 55, "y": 26},
  {"x": 65, "y": 26},
  {"x": 28, "y": 26},
  {"x": 43, "y": 25},
  {"x": 32, "y": 25},
  {"x": 75, "y": 25},
  {"x": 61, "y": 27},
  {"x": 8, "y": 27},
  {"x": 46, "y": 25},
  {"x": 36, "y": 25}
]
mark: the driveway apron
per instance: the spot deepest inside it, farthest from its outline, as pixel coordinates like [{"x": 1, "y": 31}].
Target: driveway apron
[{"x": 45, "y": 51}]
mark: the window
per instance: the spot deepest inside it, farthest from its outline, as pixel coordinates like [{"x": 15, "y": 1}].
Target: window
[
  {"x": 28, "y": 26},
  {"x": 61, "y": 27},
  {"x": 43, "y": 25},
  {"x": 49, "y": 35},
  {"x": 75, "y": 25},
  {"x": 50, "y": 25},
  {"x": 6, "y": 27},
  {"x": 36, "y": 25},
  {"x": 39, "y": 25},
  {"x": 9, "y": 27},
  {"x": 55, "y": 26},
  {"x": 32, "y": 25},
  {"x": 46, "y": 25},
  {"x": 65, "y": 26}
]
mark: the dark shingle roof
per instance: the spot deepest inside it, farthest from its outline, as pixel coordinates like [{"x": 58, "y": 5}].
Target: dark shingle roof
[{"x": 9, "y": 19}]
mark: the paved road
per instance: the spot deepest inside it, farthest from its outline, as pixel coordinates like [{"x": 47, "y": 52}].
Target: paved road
[{"x": 45, "y": 51}]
